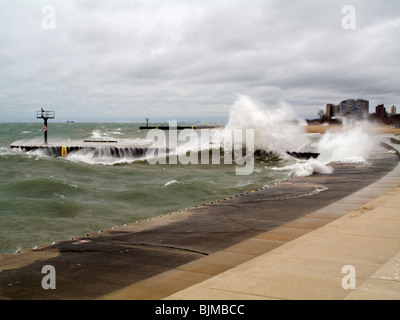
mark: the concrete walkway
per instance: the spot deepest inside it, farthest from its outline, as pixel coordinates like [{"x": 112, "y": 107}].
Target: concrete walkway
[{"x": 365, "y": 242}]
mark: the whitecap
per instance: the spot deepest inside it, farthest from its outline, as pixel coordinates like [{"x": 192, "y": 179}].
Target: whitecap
[
  {"x": 171, "y": 182},
  {"x": 305, "y": 168}
]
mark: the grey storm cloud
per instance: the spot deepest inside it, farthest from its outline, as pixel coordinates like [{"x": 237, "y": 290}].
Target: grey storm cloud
[{"x": 125, "y": 60}]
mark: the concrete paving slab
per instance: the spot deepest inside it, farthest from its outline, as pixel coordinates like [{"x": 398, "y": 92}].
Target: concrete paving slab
[
  {"x": 159, "y": 286},
  {"x": 390, "y": 179},
  {"x": 308, "y": 222},
  {"x": 328, "y": 212},
  {"x": 391, "y": 203},
  {"x": 375, "y": 289},
  {"x": 342, "y": 206},
  {"x": 208, "y": 293},
  {"x": 390, "y": 270},
  {"x": 354, "y": 199},
  {"x": 283, "y": 234},
  {"x": 366, "y": 226},
  {"x": 365, "y": 194},
  {"x": 217, "y": 262},
  {"x": 331, "y": 245},
  {"x": 254, "y": 246},
  {"x": 385, "y": 213}
]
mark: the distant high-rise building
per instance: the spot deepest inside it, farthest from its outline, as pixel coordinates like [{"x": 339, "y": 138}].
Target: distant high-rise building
[
  {"x": 393, "y": 111},
  {"x": 329, "y": 110},
  {"x": 380, "y": 111},
  {"x": 350, "y": 107}
]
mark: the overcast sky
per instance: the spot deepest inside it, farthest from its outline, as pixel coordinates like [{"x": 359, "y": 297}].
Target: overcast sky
[{"x": 188, "y": 60}]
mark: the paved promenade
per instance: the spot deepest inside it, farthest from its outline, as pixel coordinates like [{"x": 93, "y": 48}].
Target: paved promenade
[{"x": 365, "y": 242}]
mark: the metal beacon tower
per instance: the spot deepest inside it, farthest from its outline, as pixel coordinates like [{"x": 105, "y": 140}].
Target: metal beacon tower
[{"x": 45, "y": 115}]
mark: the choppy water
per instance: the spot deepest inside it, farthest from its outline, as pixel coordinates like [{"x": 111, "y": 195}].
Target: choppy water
[{"x": 45, "y": 199}]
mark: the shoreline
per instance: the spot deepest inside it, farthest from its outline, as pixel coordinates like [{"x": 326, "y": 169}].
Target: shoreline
[
  {"x": 382, "y": 129},
  {"x": 172, "y": 240},
  {"x": 55, "y": 149}
]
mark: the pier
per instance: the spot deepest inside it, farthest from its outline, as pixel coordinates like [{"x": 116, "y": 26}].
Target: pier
[
  {"x": 101, "y": 148},
  {"x": 152, "y": 127},
  {"x": 113, "y": 149}
]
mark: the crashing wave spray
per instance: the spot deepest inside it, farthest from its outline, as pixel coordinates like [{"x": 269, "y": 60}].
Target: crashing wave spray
[
  {"x": 274, "y": 130},
  {"x": 201, "y": 143},
  {"x": 353, "y": 143}
]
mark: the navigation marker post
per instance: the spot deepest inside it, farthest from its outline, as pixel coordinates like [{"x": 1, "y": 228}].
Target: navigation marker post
[{"x": 45, "y": 115}]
